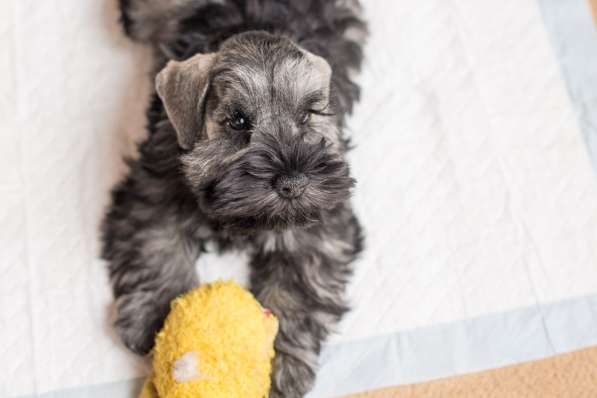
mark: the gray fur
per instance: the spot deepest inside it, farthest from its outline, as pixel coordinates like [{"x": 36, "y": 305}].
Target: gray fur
[{"x": 283, "y": 68}]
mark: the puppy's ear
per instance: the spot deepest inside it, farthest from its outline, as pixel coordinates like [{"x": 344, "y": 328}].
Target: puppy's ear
[{"x": 183, "y": 87}]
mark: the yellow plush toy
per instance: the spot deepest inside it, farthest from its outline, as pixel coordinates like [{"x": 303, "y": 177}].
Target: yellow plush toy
[{"x": 217, "y": 342}]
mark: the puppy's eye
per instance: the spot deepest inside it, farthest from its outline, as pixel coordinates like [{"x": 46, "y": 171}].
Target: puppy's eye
[
  {"x": 306, "y": 117},
  {"x": 239, "y": 122}
]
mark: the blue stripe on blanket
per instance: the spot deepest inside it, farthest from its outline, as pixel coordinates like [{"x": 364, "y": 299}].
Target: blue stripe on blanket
[
  {"x": 574, "y": 37},
  {"x": 455, "y": 348}
]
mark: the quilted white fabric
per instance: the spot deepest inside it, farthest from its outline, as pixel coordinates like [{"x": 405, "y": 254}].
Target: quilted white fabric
[{"x": 475, "y": 186}]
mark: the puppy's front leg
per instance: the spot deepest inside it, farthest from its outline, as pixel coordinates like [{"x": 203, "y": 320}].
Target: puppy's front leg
[
  {"x": 303, "y": 283},
  {"x": 306, "y": 308},
  {"x": 151, "y": 248}
]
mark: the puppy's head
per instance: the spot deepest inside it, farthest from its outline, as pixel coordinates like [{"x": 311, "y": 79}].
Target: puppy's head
[{"x": 263, "y": 149}]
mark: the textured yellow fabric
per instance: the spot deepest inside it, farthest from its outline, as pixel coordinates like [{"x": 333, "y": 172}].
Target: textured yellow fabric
[
  {"x": 229, "y": 334},
  {"x": 571, "y": 375}
]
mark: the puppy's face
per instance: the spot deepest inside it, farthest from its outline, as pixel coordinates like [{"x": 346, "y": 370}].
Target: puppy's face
[{"x": 263, "y": 149}]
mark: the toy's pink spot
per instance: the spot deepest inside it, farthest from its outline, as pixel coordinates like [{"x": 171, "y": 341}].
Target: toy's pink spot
[{"x": 267, "y": 312}]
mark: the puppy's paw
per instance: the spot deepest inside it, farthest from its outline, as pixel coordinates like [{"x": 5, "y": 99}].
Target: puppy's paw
[
  {"x": 291, "y": 377},
  {"x": 138, "y": 321}
]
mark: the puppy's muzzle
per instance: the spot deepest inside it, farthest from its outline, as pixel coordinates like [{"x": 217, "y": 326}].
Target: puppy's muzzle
[{"x": 291, "y": 186}]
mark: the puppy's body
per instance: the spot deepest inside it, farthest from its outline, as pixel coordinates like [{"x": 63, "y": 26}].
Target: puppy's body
[{"x": 245, "y": 149}]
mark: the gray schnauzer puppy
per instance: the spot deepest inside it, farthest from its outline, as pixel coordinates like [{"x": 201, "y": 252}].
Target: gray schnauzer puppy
[{"x": 246, "y": 150}]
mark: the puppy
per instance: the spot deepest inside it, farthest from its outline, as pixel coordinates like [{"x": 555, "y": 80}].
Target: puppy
[{"x": 245, "y": 149}]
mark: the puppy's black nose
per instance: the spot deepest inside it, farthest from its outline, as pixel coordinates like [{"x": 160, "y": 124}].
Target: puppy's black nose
[{"x": 291, "y": 186}]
